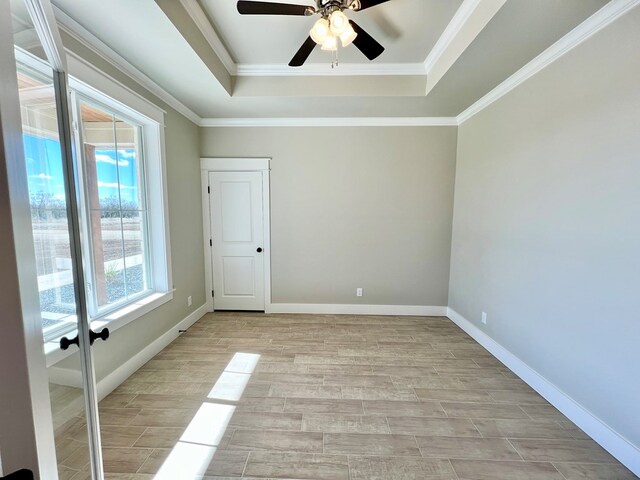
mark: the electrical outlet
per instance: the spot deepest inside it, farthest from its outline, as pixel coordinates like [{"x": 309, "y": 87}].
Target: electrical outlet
[
  {"x": 484, "y": 318},
  {"x": 189, "y": 301},
  {"x": 358, "y": 292}
]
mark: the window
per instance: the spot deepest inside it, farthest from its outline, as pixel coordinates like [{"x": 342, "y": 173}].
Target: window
[
  {"x": 119, "y": 155},
  {"x": 114, "y": 205}
]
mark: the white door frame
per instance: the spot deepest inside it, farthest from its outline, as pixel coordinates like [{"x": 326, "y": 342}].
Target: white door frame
[{"x": 262, "y": 165}]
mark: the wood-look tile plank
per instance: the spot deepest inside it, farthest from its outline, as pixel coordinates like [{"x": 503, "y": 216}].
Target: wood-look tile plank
[
  {"x": 261, "y": 404},
  {"x": 450, "y": 427},
  {"x": 116, "y": 400},
  {"x": 165, "y": 401},
  {"x": 399, "y": 468},
  {"x": 493, "y": 383},
  {"x": 119, "y": 436},
  {"x": 288, "y": 465},
  {"x": 589, "y": 471},
  {"x": 159, "y": 437},
  {"x": 453, "y": 395},
  {"x": 293, "y": 368},
  {"x": 521, "y": 428},
  {"x": 124, "y": 460},
  {"x": 314, "y": 405},
  {"x": 364, "y": 393},
  {"x": 483, "y": 410},
  {"x": 304, "y": 391},
  {"x": 467, "y": 448},
  {"x": 340, "y": 423},
  {"x": 268, "y": 421},
  {"x": 275, "y": 440},
  {"x": 382, "y": 381},
  {"x": 516, "y": 396},
  {"x": 427, "y": 381},
  {"x": 402, "y": 371},
  {"x": 565, "y": 450},
  {"x": 500, "y": 470},
  {"x": 539, "y": 412},
  {"x": 403, "y": 408},
  {"x": 301, "y": 379},
  {"x": 168, "y": 417},
  {"x": 118, "y": 416},
  {"x": 324, "y": 360},
  {"x": 370, "y": 444}
]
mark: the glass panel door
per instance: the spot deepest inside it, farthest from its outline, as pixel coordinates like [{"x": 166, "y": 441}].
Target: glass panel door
[{"x": 55, "y": 232}]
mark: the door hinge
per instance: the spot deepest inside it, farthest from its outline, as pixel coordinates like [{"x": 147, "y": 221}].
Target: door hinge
[
  {"x": 211, "y": 242},
  {"x": 213, "y": 293},
  {"x": 209, "y": 190}
]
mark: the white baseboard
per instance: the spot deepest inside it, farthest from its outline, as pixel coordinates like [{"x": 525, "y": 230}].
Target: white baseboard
[
  {"x": 618, "y": 446},
  {"x": 73, "y": 378},
  {"x": 346, "y": 309},
  {"x": 109, "y": 383}
]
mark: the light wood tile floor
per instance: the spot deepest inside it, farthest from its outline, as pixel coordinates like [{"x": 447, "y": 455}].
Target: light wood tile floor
[{"x": 328, "y": 397}]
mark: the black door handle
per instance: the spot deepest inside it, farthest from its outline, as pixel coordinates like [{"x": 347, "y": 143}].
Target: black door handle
[
  {"x": 259, "y": 250},
  {"x": 66, "y": 343},
  {"x": 103, "y": 335}
]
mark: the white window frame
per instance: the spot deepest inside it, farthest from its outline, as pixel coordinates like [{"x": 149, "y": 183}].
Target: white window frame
[
  {"x": 95, "y": 311},
  {"x": 103, "y": 89}
]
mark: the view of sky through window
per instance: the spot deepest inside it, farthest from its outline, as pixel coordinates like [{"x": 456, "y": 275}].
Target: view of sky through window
[{"x": 44, "y": 169}]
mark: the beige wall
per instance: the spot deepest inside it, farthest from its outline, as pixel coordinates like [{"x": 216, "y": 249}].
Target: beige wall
[
  {"x": 354, "y": 207},
  {"x": 185, "y": 222},
  {"x": 546, "y": 235}
]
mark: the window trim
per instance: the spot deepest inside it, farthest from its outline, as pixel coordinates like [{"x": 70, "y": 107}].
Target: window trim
[
  {"x": 90, "y": 82},
  {"x": 99, "y": 87}
]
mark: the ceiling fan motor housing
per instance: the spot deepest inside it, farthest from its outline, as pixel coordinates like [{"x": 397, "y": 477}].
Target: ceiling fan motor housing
[{"x": 327, "y": 7}]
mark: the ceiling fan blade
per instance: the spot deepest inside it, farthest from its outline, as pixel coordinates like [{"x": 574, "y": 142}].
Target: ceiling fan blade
[
  {"x": 370, "y": 3},
  {"x": 366, "y": 43},
  {"x": 246, "y": 7},
  {"x": 301, "y": 56}
]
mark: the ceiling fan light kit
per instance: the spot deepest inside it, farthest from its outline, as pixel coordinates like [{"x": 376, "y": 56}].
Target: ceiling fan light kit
[
  {"x": 332, "y": 25},
  {"x": 320, "y": 31},
  {"x": 338, "y": 22}
]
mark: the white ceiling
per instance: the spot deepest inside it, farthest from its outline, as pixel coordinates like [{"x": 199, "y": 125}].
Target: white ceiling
[{"x": 441, "y": 55}]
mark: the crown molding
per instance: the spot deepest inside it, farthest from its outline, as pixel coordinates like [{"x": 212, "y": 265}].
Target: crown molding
[
  {"x": 599, "y": 20},
  {"x": 462, "y": 15},
  {"x": 467, "y": 23},
  {"x": 202, "y": 21},
  {"x": 324, "y": 69},
  {"x": 331, "y": 122},
  {"x": 97, "y": 46}
]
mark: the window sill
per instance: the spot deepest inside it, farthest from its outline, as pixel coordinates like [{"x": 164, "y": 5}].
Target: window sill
[{"x": 113, "y": 321}]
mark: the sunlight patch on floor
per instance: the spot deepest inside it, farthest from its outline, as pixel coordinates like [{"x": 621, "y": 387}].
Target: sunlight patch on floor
[{"x": 192, "y": 455}]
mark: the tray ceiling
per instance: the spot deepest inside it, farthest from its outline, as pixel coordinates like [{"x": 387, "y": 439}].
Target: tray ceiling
[{"x": 441, "y": 55}]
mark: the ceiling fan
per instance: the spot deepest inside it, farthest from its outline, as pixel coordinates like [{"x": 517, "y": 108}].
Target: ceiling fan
[{"x": 333, "y": 25}]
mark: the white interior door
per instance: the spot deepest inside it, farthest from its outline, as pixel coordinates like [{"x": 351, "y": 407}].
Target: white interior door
[{"x": 237, "y": 232}]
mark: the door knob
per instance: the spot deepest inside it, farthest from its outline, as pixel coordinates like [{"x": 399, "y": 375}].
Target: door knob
[
  {"x": 102, "y": 335},
  {"x": 259, "y": 250},
  {"x": 65, "y": 343}
]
